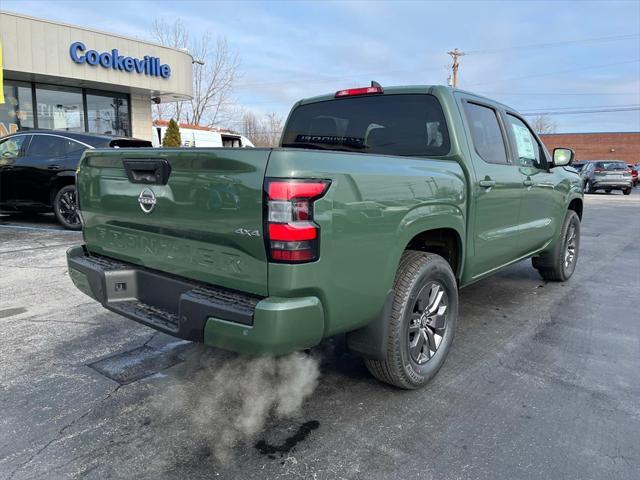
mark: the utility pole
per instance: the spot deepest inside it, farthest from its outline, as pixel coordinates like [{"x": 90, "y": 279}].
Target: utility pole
[{"x": 455, "y": 54}]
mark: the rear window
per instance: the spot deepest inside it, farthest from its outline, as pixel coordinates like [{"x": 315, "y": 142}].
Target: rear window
[
  {"x": 407, "y": 125},
  {"x": 611, "y": 165}
]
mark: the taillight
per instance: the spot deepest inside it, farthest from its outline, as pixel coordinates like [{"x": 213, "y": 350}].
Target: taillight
[
  {"x": 351, "y": 92},
  {"x": 291, "y": 234},
  {"x": 374, "y": 89}
]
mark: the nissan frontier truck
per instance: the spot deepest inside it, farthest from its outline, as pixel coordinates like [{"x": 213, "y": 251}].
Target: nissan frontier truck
[{"x": 378, "y": 205}]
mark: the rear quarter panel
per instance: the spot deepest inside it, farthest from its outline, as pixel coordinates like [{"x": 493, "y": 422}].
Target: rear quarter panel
[{"x": 374, "y": 207}]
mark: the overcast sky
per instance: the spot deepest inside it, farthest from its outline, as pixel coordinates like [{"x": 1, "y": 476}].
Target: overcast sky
[{"x": 291, "y": 50}]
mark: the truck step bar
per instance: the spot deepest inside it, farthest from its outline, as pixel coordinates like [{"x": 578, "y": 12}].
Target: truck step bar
[{"x": 169, "y": 303}]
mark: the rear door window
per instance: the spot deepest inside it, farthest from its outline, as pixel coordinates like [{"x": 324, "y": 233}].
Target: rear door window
[
  {"x": 407, "y": 125},
  {"x": 486, "y": 133},
  {"x": 50, "y": 146}
]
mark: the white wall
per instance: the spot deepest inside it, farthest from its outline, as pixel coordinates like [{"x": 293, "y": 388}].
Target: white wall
[
  {"x": 40, "y": 48},
  {"x": 141, "y": 116}
]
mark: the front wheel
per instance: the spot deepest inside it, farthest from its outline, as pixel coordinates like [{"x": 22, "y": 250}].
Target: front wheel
[
  {"x": 422, "y": 321},
  {"x": 589, "y": 187},
  {"x": 559, "y": 265},
  {"x": 65, "y": 206},
  {"x": 627, "y": 191}
]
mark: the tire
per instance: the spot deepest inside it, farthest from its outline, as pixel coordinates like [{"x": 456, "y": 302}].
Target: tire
[
  {"x": 559, "y": 265},
  {"x": 627, "y": 191},
  {"x": 589, "y": 188},
  {"x": 419, "y": 280},
  {"x": 608, "y": 190},
  {"x": 65, "y": 208}
]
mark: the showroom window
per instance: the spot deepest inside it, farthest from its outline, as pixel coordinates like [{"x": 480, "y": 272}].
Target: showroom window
[
  {"x": 16, "y": 113},
  {"x": 55, "y": 107},
  {"x": 108, "y": 113},
  {"x": 60, "y": 108}
]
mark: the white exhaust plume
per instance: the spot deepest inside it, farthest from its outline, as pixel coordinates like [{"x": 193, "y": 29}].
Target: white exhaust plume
[{"x": 229, "y": 400}]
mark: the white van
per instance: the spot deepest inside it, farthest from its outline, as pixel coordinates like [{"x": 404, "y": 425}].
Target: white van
[{"x": 196, "y": 136}]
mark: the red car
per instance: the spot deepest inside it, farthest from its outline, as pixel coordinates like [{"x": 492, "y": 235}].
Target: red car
[{"x": 634, "y": 174}]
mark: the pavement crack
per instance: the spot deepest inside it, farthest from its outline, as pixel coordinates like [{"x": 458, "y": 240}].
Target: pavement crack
[
  {"x": 33, "y": 267},
  {"x": 151, "y": 337},
  {"x": 61, "y": 321},
  {"x": 42, "y": 246},
  {"x": 56, "y": 438}
]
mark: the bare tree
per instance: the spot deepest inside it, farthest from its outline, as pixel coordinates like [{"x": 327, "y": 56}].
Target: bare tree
[
  {"x": 543, "y": 124},
  {"x": 214, "y": 74},
  {"x": 263, "y": 132},
  {"x": 213, "y": 82},
  {"x": 173, "y": 35}
]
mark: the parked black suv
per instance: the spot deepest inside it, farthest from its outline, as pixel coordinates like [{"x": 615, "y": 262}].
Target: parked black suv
[{"x": 38, "y": 170}]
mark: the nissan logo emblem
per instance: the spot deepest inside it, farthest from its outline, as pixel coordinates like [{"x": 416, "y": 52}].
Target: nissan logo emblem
[{"x": 147, "y": 200}]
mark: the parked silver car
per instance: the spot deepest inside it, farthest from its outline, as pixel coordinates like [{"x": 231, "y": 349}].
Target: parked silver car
[{"x": 606, "y": 175}]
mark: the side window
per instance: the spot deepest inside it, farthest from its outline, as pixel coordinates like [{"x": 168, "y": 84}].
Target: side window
[
  {"x": 11, "y": 148},
  {"x": 528, "y": 150},
  {"x": 486, "y": 133},
  {"x": 74, "y": 148},
  {"x": 48, "y": 146}
]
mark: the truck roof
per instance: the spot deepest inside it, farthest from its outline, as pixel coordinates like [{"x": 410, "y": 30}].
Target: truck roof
[{"x": 406, "y": 89}]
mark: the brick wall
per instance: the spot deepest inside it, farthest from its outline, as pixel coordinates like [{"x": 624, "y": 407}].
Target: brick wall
[{"x": 597, "y": 146}]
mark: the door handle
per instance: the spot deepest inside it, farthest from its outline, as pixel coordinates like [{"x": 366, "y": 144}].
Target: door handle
[
  {"x": 53, "y": 167},
  {"x": 527, "y": 182},
  {"x": 486, "y": 183}
]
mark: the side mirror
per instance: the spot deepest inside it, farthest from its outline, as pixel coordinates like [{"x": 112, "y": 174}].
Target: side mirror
[{"x": 562, "y": 157}]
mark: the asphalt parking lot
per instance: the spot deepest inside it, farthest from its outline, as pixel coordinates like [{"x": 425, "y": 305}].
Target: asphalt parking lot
[{"x": 543, "y": 382}]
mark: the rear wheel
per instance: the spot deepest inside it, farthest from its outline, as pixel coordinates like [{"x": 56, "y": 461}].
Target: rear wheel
[
  {"x": 422, "y": 321},
  {"x": 560, "y": 264},
  {"x": 65, "y": 206},
  {"x": 627, "y": 191},
  {"x": 608, "y": 190}
]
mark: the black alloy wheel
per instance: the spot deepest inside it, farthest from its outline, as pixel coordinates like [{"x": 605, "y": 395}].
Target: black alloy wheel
[{"x": 65, "y": 207}]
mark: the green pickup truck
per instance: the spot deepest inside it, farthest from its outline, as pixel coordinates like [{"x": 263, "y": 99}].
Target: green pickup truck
[{"x": 376, "y": 208}]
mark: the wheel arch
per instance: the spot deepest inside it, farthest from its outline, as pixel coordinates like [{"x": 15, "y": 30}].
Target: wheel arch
[
  {"x": 61, "y": 180},
  {"x": 445, "y": 242},
  {"x": 577, "y": 205},
  {"x": 438, "y": 229}
]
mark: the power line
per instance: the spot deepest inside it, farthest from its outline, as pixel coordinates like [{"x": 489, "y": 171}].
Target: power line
[
  {"x": 554, "y": 44},
  {"x": 626, "y": 105},
  {"x": 311, "y": 78},
  {"x": 580, "y": 112},
  {"x": 546, "y": 74},
  {"x": 563, "y": 93}
]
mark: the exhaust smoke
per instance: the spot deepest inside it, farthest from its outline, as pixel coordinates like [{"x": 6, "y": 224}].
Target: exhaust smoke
[{"x": 229, "y": 399}]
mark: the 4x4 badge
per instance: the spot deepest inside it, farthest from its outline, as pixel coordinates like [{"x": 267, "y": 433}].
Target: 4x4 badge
[
  {"x": 147, "y": 200},
  {"x": 247, "y": 232}
]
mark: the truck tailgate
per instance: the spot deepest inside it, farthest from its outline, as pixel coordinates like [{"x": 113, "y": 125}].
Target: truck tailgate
[{"x": 204, "y": 223}]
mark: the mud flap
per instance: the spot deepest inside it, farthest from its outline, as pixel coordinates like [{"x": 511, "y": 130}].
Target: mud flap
[{"x": 371, "y": 341}]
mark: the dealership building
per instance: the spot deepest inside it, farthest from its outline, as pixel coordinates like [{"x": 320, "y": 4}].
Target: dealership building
[{"x": 71, "y": 78}]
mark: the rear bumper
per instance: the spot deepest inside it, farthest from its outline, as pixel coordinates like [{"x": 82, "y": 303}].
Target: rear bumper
[
  {"x": 194, "y": 311},
  {"x": 613, "y": 184}
]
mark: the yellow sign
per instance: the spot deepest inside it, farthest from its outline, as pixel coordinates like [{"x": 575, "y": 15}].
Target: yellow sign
[{"x": 1, "y": 81}]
